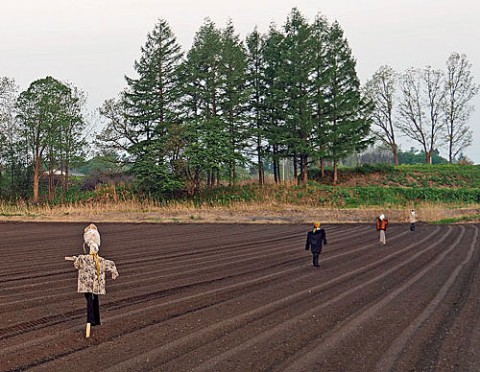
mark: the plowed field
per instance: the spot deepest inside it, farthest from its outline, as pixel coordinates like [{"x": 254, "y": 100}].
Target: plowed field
[{"x": 240, "y": 297}]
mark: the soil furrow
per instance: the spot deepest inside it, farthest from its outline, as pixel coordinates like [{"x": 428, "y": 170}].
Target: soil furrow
[{"x": 243, "y": 297}]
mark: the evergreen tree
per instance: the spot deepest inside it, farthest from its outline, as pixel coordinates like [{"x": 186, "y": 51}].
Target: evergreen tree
[
  {"x": 319, "y": 44},
  {"x": 151, "y": 107},
  {"x": 233, "y": 98},
  {"x": 152, "y": 97},
  {"x": 298, "y": 68},
  {"x": 204, "y": 131},
  {"x": 256, "y": 107},
  {"x": 347, "y": 111},
  {"x": 275, "y": 99}
]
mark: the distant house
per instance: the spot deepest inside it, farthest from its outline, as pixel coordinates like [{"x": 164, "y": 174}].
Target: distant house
[
  {"x": 76, "y": 174},
  {"x": 57, "y": 177},
  {"x": 57, "y": 172}
]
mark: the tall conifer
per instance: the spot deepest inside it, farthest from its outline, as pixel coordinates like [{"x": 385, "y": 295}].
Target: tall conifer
[
  {"x": 150, "y": 106},
  {"x": 298, "y": 67},
  {"x": 256, "y": 104},
  {"x": 347, "y": 111}
]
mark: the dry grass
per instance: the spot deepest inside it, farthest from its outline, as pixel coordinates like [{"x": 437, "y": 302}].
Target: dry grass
[{"x": 136, "y": 211}]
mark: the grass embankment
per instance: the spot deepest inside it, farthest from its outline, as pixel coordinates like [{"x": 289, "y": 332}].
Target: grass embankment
[
  {"x": 385, "y": 186},
  {"x": 445, "y": 193}
]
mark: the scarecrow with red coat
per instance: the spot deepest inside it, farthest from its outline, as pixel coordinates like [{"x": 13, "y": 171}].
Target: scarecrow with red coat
[{"x": 382, "y": 224}]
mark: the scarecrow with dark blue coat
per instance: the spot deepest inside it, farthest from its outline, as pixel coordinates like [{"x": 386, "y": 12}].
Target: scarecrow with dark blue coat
[{"x": 315, "y": 240}]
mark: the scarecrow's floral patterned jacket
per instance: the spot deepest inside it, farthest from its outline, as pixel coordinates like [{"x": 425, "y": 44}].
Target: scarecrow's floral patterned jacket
[{"x": 88, "y": 280}]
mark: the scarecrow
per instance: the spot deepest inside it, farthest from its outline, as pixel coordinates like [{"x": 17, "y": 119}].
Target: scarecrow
[
  {"x": 316, "y": 238},
  {"x": 91, "y": 274},
  {"x": 413, "y": 220},
  {"x": 382, "y": 224}
]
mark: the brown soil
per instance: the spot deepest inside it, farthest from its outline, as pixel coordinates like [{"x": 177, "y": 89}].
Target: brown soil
[{"x": 243, "y": 297}]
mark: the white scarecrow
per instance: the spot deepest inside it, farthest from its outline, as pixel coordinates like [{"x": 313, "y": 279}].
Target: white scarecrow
[{"x": 91, "y": 274}]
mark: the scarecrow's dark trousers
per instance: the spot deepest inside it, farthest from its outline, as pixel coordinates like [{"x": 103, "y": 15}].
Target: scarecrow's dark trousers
[
  {"x": 93, "y": 309},
  {"x": 315, "y": 258}
]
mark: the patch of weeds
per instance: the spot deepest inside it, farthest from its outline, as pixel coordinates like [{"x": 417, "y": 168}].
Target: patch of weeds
[{"x": 474, "y": 217}]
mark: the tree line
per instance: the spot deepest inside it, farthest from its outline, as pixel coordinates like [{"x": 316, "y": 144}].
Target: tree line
[{"x": 191, "y": 119}]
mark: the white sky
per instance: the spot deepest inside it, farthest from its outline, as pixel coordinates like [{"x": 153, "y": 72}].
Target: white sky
[{"x": 94, "y": 43}]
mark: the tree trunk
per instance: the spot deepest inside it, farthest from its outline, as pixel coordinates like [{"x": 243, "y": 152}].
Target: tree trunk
[
  {"x": 261, "y": 174},
  {"x": 335, "y": 175},
  {"x": 66, "y": 178},
  {"x": 36, "y": 180},
  {"x": 276, "y": 171},
  {"x": 295, "y": 169},
  {"x": 196, "y": 182},
  {"x": 428, "y": 156},
  {"x": 395, "y": 153},
  {"x": 51, "y": 179},
  {"x": 304, "y": 169},
  {"x": 276, "y": 166},
  {"x": 234, "y": 173},
  {"x": 450, "y": 146}
]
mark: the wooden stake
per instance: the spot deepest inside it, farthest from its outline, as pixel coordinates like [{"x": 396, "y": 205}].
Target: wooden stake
[{"x": 87, "y": 334}]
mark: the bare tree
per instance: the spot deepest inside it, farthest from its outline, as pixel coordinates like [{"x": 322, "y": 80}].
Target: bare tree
[
  {"x": 381, "y": 91},
  {"x": 8, "y": 130},
  {"x": 8, "y": 91},
  {"x": 119, "y": 134},
  {"x": 460, "y": 89},
  {"x": 420, "y": 108}
]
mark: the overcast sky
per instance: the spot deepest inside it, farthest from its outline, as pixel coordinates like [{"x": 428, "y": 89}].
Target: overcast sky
[{"x": 94, "y": 43}]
